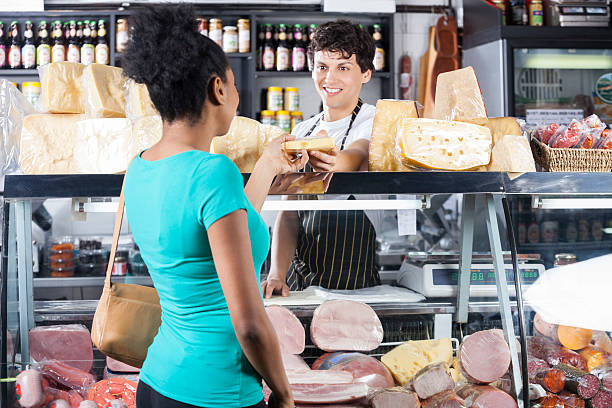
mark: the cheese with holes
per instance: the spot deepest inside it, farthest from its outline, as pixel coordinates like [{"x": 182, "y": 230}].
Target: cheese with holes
[
  {"x": 62, "y": 91},
  {"x": 138, "y": 103},
  {"x": 458, "y": 97},
  {"x": 323, "y": 144},
  {"x": 512, "y": 154},
  {"x": 407, "y": 359},
  {"x": 444, "y": 145},
  {"x": 102, "y": 145},
  {"x": 500, "y": 127},
  {"x": 383, "y": 152},
  {"x": 105, "y": 89},
  {"x": 47, "y": 143}
]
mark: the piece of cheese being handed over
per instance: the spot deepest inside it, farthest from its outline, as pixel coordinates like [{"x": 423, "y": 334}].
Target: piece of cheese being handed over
[
  {"x": 383, "y": 155},
  {"x": 443, "y": 145},
  {"x": 458, "y": 97},
  {"x": 323, "y": 144},
  {"x": 408, "y": 358},
  {"x": 105, "y": 88},
  {"x": 62, "y": 90},
  {"x": 512, "y": 154}
]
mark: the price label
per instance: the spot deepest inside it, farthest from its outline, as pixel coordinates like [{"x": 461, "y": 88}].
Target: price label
[
  {"x": 537, "y": 117},
  {"x": 21, "y": 5},
  {"x": 406, "y": 219}
]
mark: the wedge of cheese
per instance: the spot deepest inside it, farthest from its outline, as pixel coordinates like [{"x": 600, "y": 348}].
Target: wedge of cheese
[
  {"x": 138, "y": 103},
  {"x": 383, "y": 152},
  {"x": 458, "y": 97},
  {"x": 500, "y": 127},
  {"x": 62, "y": 91},
  {"x": 270, "y": 132},
  {"x": 512, "y": 154},
  {"x": 102, "y": 145},
  {"x": 407, "y": 359},
  {"x": 323, "y": 144},
  {"x": 47, "y": 143},
  {"x": 105, "y": 90},
  {"x": 146, "y": 131},
  {"x": 443, "y": 145}
]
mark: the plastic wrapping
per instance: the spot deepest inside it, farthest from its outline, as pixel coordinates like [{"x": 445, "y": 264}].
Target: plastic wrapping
[
  {"x": 484, "y": 356},
  {"x": 67, "y": 375},
  {"x": 137, "y": 101},
  {"x": 364, "y": 369},
  {"x": 70, "y": 344},
  {"x": 432, "y": 380},
  {"x": 444, "y": 145},
  {"x": 62, "y": 90},
  {"x": 458, "y": 97},
  {"x": 383, "y": 155},
  {"x": 105, "y": 91},
  {"x": 105, "y": 391},
  {"x": 328, "y": 393},
  {"x": 29, "y": 388},
  {"x": 289, "y": 330},
  {"x": 345, "y": 325},
  {"x": 102, "y": 146},
  {"x": 587, "y": 133},
  {"x": 546, "y": 349},
  {"x": 485, "y": 396},
  {"x": 512, "y": 153}
]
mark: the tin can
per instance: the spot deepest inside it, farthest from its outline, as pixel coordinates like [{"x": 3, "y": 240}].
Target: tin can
[
  {"x": 244, "y": 35},
  {"x": 292, "y": 99},
  {"x": 275, "y": 98},
  {"x": 215, "y": 30},
  {"x": 536, "y": 13}
]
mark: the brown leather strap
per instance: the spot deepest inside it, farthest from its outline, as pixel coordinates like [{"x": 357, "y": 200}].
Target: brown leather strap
[{"x": 116, "y": 231}]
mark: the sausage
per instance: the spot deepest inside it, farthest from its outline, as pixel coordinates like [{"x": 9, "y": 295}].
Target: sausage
[
  {"x": 66, "y": 375},
  {"x": 579, "y": 382},
  {"x": 29, "y": 388},
  {"x": 103, "y": 392},
  {"x": 604, "y": 373},
  {"x": 551, "y": 401},
  {"x": 536, "y": 364},
  {"x": 484, "y": 356},
  {"x": 571, "y": 400},
  {"x": 603, "y": 399},
  {"x": 485, "y": 396},
  {"x": 551, "y": 379},
  {"x": 552, "y": 353}
]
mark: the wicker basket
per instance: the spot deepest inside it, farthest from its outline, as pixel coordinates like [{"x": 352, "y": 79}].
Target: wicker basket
[{"x": 563, "y": 159}]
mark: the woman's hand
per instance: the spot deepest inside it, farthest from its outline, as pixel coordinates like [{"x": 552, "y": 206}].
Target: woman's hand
[
  {"x": 274, "y": 402},
  {"x": 281, "y": 161}
]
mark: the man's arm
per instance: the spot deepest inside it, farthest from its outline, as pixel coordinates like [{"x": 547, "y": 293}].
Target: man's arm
[
  {"x": 284, "y": 244},
  {"x": 352, "y": 158}
]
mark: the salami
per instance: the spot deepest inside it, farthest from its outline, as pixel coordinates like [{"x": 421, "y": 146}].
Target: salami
[
  {"x": 432, "y": 380},
  {"x": 550, "y": 401},
  {"x": 536, "y": 364},
  {"x": 571, "y": 400},
  {"x": 553, "y": 353},
  {"x": 396, "y": 397},
  {"x": 447, "y": 399},
  {"x": 103, "y": 392},
  {"x": 579, "y": 382},
  {"x": 484, "y": 357},
  {"x": 364, "y": 368},
  {"x": 485, "y": 396},
  {"x": 328, "y": 393},
  {"x": 552, "y": 379},
  {"x": 289, "y": 330},
  {"x": 603, "y": 399},
  {"x": 345, "y": 325}
]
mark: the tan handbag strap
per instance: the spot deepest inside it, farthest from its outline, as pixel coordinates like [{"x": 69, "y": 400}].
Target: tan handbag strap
[{"x": 116, "y": 231}]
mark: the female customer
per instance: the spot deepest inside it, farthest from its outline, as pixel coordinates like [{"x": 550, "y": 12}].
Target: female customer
[{"x": 198, "y": 228}]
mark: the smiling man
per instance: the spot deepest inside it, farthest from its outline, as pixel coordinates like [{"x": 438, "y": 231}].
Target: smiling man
[{"x": 332, "y": 249}]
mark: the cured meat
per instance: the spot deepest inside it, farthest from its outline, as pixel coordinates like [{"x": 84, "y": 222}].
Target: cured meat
[
  {"x": 447, "y": 399},
  {"x": 553, "y": 353},
  {"x": 364, "y": 369},
  {"x": 550, "y": 401},
  {"x": 289, "y": 330},
  {"x": 66, "y": 375},
  {"x": 551, "y": 379},
  {"x": 319, "y": 377},
  {"x": 604, "y": 373},
  {"x": 432, "y": 380},
  {"x": 484, "y": 357},
  {"x": 535, "y": 364},
  {"x": 396, "y": 397},
  {"x": 29, "y": 388},
  {"x": 544, "y": 328},
  {"x": 594, "y": 357},
  {"x": 345, "y": 325},
  {"x": 70, "y": 344},
  {"x": 603, "y": 399},
  {"x": 571, "y": 400},
  {"x": 485, "y": 396},
  {"x": 579, "y": 382},
  {"x": 328, "y": 393},
  {"x": 294, "y": 363},
  {"x": 103, "y": 392}
]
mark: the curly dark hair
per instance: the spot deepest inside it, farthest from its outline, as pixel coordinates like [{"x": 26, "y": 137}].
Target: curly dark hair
[
  {"x": 176, "y": 63},
  {"x": 345, "y": 37}
]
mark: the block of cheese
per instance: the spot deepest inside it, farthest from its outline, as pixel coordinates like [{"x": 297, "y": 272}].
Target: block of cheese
[
  {"x": 47, "y": 143},
  {"x": 270, "y": 132},
  {"x": 323, "y": 144},
  {"x": 102, "y": 145},
  {"x": 383, "y": 153},
  {"x": 512, "y": 154},
  {"x": 458, "y": 97},
  {"x": 444, "y": 145},
  {"x": 405, "y": 360},
  {"x": 105, "y": 90},
  {"x": 137, "y": 102},
  {"x": 500, "y": 127},
  {"x": 146, "y": 131},
  {"x": 62, "y": 91}
]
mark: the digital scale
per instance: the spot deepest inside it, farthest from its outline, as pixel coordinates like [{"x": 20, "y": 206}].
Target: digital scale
[
  {"x": 576, "y": 13},
  {"x": 439, "y": 279}
]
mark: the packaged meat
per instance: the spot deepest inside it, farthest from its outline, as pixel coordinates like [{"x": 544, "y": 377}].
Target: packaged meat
[
  {"x": 568, "y": 137},
  {"x": 552, "y": 353},
  {"x": 320, "y": 377},
  {"x": 574, "y": 338},
  {"x": 579, "y": 382},
  {"x": 544, "y": 328},
  {"x": 396, "y": 397},
  {"x": 29, "y": 388},
  {"x": 66, "y": 375},
  {"x": 345, "y": 325},
  {"x": 105, "y": 391},
  {"x": 364, "y": 368},
  {"x": 289, "y": 330},
  {"x": 484, "y": 357},
  {"x": 551, "y": 379},
  {"x": 328, "y": 393},
  {"x": 604, "y": 373},
  {"x": 603, "y": 399},
  {"x": 571, "y": 400},
  {"x": 405, "y": 360},
  {"x": 594, "y": 357},
  {"x": 544, "y": 134},
  {"x": 603, "y": 340},
  {"x": 447, "y": 399},
  {"x": 485, "y": 396},
  {"x": 432, "y": 380},
  {"x": 70, "y": 344}
]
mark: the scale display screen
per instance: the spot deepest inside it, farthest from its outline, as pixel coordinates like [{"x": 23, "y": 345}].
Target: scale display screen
[
  {"x": 597, "y": 10},
  {"x": 481, "y": 276},
  {"x": 572, "y": 10}
]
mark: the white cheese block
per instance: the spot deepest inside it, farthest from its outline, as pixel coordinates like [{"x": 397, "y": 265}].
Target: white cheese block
[
  {"x": 458, "y": 97},
  {"x": 444, "y": 145},
  {"x": 146, "y": 131},
  {"x": 500, "y": 127},
  {"x": 383, "y": 154},
  {"x": 105, "y": 90},
  {"x": 62, "y": 91},
  {"x": 138, "y": 103},
  {"x": 102, "y": 145},
  {"x": 512, "y": 154}
]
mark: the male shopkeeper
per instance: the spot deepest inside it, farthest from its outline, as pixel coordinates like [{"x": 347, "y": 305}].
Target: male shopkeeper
[{"x": 332, "y": 249}]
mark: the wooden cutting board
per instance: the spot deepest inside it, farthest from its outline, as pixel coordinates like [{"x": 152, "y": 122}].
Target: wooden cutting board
[
  {"x": 424, "y": 63},
  {"x": 447, "y": 54},
  {"x": 428, "y": 96}
]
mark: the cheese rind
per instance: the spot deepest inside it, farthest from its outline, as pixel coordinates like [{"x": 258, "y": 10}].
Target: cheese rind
[
  {"x": 383, "y": 155},
  {"x": 138, "y": 102},
  {"x": 105, "y": 90},
  {"x": 323, "y": 144},
  {"x": 443, "y": 145},
  {"x": 62, "y": 90},
  {"x": 408, "y": 358},
  {"x": 512, "y": 154},
  {"x": 458, "y": 97}
]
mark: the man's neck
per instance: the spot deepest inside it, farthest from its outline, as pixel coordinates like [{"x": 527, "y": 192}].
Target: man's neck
[{"x": 334, "y": 114}]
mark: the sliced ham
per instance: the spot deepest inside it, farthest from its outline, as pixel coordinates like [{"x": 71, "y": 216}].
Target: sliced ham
[
  {"x": 544, "y": 328},
  {"x": 319, "y": 377},
  {"x": 328, "y": 393},
  {"x": 292, "y": 362},
  {"x": 446, "y": 399},
  {"x": 485, "y": 396},
  {"x": 363, "y": 368},
  {"x": 70, "y": 344},
  {"x": 432, "y": 380},
  {"x": 484, "y": 356},
  {"x": 288, "y": 328},
  {"x": 397, "y": 397},
  {"x": 345, "y": 325}
]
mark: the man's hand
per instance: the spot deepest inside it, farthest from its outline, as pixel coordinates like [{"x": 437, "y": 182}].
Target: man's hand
[{"x": 274, "y": 286}]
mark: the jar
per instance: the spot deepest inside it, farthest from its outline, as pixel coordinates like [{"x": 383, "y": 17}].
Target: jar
[
  {"x": 61, "y": 272},
  {"x": 215, "y": 30},
  {"x": 31, "y": 90},
  {"x": 564, "y": 259},
  {"x": 536, "y": 13},
  {"x": 120, "y": 265},
  {"x": 283, "y": 120},
  {"x": 549, "y": 231},
  {"x": 275, "y": 98},
  {"x": 501, "y": 4},
  {"x": 121, "y": 37},
  {"x": 203, "y": 26},
  {"x": 292, "y": 99},
  {"x": 244, "y": 35},
  {"x": 296, "y": 117},
  {"x": 62, "y": 244},
  {"x": 268, "y": 118},
  {"x": 230, "y": 39}
]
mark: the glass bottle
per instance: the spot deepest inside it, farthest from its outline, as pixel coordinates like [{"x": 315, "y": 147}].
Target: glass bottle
[
  {"x": 43, "y": 51},
  {"x": 88, "y": 54},
  {"x": 14, "y": 56},
  {"x": 102, "y": 52},
  {"x": 3, "y": 53},
  {"x": 58, "y": 52},
  {"x": 311, "y": 30},
  {"x": 283, "y": 62},
  {"x": 28, "y": 51},
  {"x": 74, "y": 51},
  {"x": 298, "y": 53},
  {"x": 379, "y": 53},
  {"x": 269, "y": 53}
]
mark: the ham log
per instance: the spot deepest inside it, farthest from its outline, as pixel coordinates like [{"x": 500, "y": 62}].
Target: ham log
[
  {"x": 289, "y": 330},
  {"x": 396, "y": 397},
  {"x": 432, "y": 380},
  {"x": 485, "y": 396},
  {"x": 364, "y": 368},
  {"x": 447, "y": 399},
  {"x": 328, "y": 393},
  {"x": 484, "y": 356}
]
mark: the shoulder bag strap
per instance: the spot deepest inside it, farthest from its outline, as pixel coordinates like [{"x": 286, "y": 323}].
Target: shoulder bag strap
[{"x": 116, "y": 231}]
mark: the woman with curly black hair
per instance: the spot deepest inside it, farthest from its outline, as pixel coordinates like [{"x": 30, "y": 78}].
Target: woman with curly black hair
[{"x": 198, "y": 227}]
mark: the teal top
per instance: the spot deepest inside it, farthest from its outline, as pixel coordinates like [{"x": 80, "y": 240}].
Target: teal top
[{"x": 170, "y": 203}]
